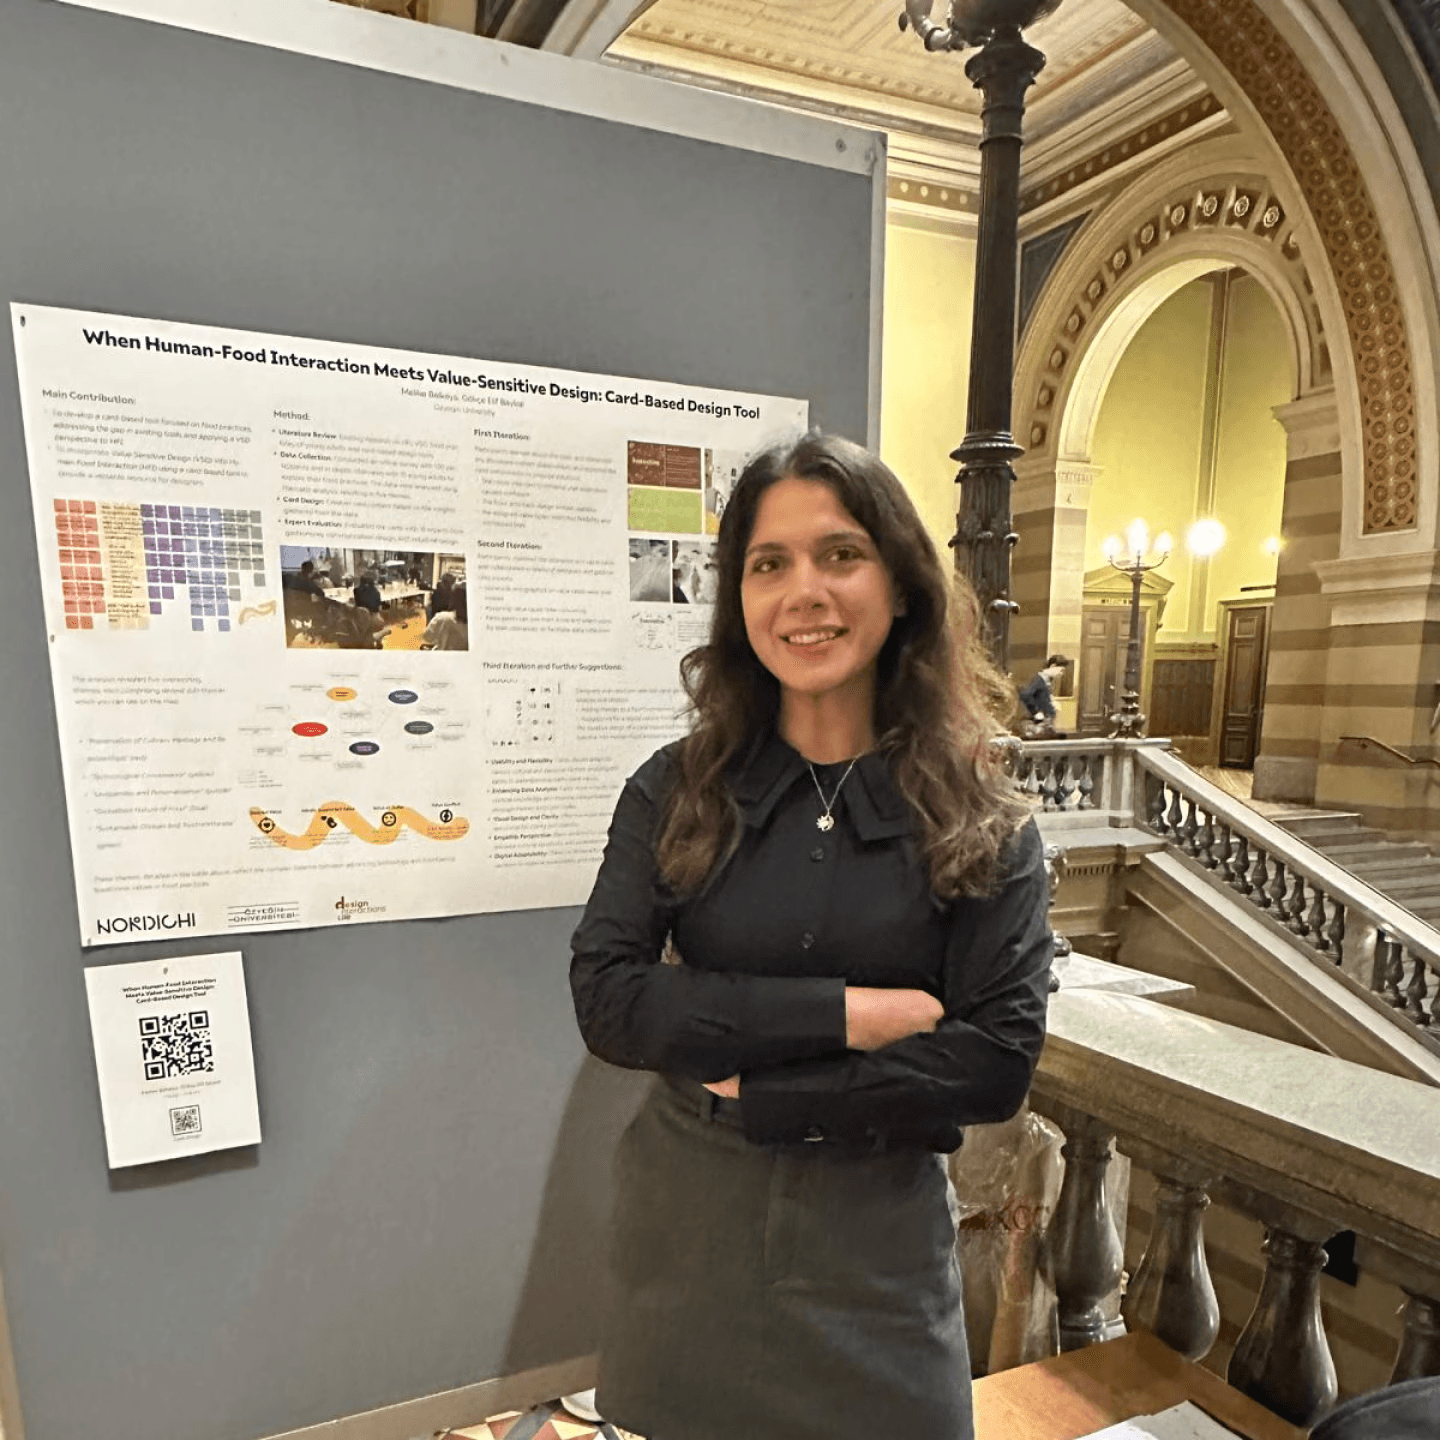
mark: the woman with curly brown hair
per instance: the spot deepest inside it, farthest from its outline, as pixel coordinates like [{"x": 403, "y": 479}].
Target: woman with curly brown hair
[{"x": 853, "y": 906}]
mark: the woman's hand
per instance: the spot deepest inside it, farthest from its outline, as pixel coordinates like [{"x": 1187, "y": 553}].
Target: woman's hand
[
  {"x": 877, "y": 1018},
  {"x": 725, "y": 1089}
]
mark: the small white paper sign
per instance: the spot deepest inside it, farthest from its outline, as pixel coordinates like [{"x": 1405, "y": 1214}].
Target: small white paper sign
[
  {"x": 1181, "y": 1422},
  {"x": 172, "y": 1051}
]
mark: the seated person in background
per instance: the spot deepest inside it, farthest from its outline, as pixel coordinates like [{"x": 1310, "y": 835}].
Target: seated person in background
[
  {"x": 442, "y": 596},
  {"x": 450, "y": 629},
  {"x": 367, "y": 593},
  {"x": 305, "y": 581},
  {"x": 1037, "y": 697}
]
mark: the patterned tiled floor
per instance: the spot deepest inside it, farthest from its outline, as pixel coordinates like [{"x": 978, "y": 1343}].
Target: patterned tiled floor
[{"x": 545, "y": 1422}]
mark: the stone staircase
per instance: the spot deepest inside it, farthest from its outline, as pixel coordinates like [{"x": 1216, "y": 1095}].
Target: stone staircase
[{"x": 1404, "y": 870}]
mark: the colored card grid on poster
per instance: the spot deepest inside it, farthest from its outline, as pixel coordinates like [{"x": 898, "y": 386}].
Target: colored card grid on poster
[{"x": 208, "y": 550}]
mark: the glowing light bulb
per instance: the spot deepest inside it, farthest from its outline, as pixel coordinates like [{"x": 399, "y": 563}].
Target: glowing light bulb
[
  {"x": 1112, "y": 547},
  {"x": 1164, "y": 543},
  {"x": 1271, "y": 546},
  {"x": 1205, "y": 537},
  {"x": 1137, "y": 538}
]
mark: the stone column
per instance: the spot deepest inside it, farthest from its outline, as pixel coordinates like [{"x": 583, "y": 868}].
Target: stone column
[
  {"x": 1052, "y": 509},
  {"x": 1288, "y": 758}
]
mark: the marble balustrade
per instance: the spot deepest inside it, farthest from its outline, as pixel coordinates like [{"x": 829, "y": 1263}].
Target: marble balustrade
[{"x": 1219, "y": 1113}]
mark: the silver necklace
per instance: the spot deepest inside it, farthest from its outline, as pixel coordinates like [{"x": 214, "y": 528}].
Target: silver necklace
[{"x": 827, "y": 820}]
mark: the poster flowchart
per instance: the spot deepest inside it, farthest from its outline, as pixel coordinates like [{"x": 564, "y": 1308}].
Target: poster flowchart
[{"x": 342, "y": 634}]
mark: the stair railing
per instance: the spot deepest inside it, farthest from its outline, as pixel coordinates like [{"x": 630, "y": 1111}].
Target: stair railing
[
  {"x": 1319, "y": 902},
  {"x": 1099, "y": 783}
]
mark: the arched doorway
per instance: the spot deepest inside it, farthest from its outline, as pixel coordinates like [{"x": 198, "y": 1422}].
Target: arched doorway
[{"x": 1184, "y": 432}]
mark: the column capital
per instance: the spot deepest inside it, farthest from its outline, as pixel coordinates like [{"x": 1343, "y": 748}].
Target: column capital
[
  {"x": 1312, "y": 424},
  {"x": 1381, "y": 589}
]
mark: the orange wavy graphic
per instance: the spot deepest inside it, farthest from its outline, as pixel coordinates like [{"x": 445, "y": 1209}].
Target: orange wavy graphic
[
  {"x": 252, "y": 612},
  {"x": 338, "y": 812}
]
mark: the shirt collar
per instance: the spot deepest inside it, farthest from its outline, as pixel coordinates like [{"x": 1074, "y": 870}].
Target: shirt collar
[{"x": 767, "y": 770}]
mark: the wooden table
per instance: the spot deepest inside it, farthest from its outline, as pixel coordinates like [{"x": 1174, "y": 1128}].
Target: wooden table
[{"x": 1085, "y": 1390}]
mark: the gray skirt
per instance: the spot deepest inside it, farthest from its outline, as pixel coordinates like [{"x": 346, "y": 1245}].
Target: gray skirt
[{"x": 802, "y": 1292}]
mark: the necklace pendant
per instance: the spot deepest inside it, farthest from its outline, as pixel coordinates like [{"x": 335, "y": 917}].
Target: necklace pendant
[{"x": 825, "y": 822}]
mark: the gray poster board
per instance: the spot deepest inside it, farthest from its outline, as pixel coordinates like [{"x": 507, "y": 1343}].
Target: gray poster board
[{"x": 426, "y": 1207}]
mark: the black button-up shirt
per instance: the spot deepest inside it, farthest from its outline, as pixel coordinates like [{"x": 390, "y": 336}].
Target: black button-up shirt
[{"x": 769, "y": 945}]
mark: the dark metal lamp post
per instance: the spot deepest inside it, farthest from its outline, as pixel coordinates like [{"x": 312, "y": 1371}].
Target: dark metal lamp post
[
  {"x": 1134, "y": 557},
  {"x": 1003, "y": 69}
]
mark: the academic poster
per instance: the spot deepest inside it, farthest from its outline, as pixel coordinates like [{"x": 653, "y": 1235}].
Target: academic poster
[{"x": 342, "y": 634}]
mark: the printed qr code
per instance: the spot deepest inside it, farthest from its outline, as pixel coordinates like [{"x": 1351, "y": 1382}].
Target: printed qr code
[
  {"x": 185, "y": 1120},
  {"x": 176, "y": 1044}
]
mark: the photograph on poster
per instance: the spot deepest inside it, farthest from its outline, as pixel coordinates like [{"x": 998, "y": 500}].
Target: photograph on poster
[
  {"x": 340, "y": 597},
  {"x": 650, "y": 570},
  {"x": 693, "y": 579}
]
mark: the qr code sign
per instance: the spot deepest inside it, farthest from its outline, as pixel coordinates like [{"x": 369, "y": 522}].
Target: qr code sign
[
  {"x": 176, "y": 1044},
  {"x": 185, "y": 1120}
]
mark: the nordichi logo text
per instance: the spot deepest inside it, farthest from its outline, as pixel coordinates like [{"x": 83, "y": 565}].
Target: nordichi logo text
[{"x": 135, "y": 924}]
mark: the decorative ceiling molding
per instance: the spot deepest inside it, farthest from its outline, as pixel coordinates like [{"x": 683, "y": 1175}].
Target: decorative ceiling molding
[
  {"x": 1293, "y": 109},
  {"x": 1118, "y": 152},
  {"x": 1245, "y": 210}
]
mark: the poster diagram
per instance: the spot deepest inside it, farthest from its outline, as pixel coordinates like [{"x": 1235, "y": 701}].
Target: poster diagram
[{"x": 342, "y": 634}]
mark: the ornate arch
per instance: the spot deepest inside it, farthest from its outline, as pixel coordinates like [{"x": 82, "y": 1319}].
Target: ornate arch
[{"x": 1129, "y": 258}]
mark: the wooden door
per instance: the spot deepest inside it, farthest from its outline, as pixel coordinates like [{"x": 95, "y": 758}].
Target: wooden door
[
  {"x": 1104, "y": 636},
  {"x": 1246, "y": 648}
]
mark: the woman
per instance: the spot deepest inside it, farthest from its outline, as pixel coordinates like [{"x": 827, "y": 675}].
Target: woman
[{"x": 860, "y": 907}]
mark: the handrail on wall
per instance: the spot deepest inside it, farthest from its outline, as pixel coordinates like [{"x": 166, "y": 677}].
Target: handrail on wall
[{"x": 1411, "y": 760}]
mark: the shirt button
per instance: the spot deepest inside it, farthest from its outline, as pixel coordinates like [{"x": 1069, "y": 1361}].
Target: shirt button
[
  {"x": 814, "y": 1133},
  {"x": 818, "y": 853},
  {"x": 806, "y": 940}
]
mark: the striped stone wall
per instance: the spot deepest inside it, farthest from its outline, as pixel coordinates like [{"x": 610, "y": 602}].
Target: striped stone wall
[
  {"x": 1287, "y": 764},
  {"x": 1047, "y": 569},
  {"x": 1384, "y": 663}
]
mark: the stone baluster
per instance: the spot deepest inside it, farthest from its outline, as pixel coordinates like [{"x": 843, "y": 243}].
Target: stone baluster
[
  {"x": 1259, "y": 877},
  {"x": 1419, "y": 1352},
  {"x": 1048, "y": 787},
  {"x": 1155, "y": 802},
  {"x": 1030, "y": 774},
  {"x": 1188, "y": 827},
  {"x": 1385, "y": 976},
  {"x": 1224, "y": 852},
  {"x": 1087, "y": 1254},
  {"x": 1414, "y": 1007},
  {"x": 1085, "y": 786},
  {"x": 1240, "y": 866},
  {"x": 1065, "y": 783},
  {"x": 1205, "y": 840},
  {"x": 1278, "y": 889},
  {"x": 1295, "y": 908},
  {"x": 1327, "y": 926},
  {"x": 1315, "y": 919},
  {"x": 1172, "y": 1295},
  {"x": 1175, "y": 816},
  {"x": 1282, "y": 1358}
]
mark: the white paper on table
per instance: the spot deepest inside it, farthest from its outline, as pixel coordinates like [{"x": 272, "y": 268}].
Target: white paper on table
[
  {"x": 173, "y": 1057},
  {"x": 1180, "y": 1422}
]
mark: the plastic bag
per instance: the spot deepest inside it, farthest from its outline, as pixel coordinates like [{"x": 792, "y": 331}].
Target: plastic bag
[{"x": 1007, "y": 1180}]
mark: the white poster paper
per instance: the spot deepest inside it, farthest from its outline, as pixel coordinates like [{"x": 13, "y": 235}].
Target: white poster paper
[
  {"x": 242, "y": 540},
  {"x": 172, "y": 1051}
]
